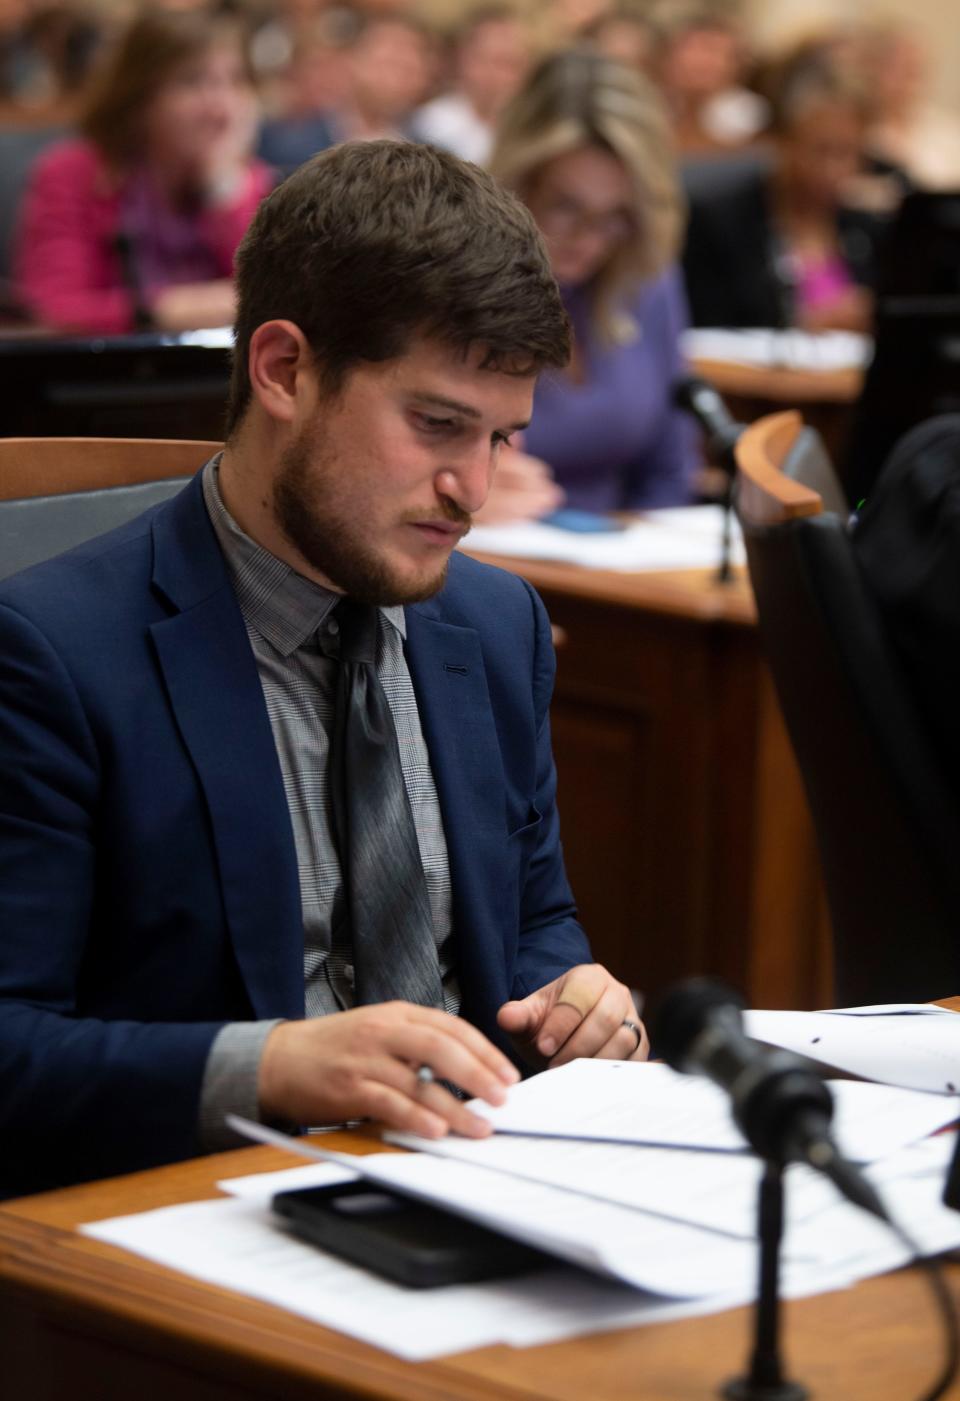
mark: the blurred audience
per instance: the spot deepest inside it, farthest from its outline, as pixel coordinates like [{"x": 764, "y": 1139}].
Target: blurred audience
[
  {"x": 780, "y": 243},
  {"x": 355, "y": 77},
  {"x": 586, "y": 145},
  {"x": 698, "y": 61},
  {"x": 491, "y": 58},
  {"x": 314, "y": 85},
  {"x": 389, "y": 67},
  {"x": 562, "y": 23},
  {"x": 624, "y": 35},
  {"x": 276, "y": 29},
  {"x": 47, "y": 51},
  {"x": 906, "y": 130},
  {"x": 135, "y": 222}
]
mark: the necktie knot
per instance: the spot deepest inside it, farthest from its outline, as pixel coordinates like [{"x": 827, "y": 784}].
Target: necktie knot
[{"x": 349, "y": 632}]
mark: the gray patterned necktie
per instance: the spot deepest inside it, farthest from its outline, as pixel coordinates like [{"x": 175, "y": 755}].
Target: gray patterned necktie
[{"x": 394, "y": 952}]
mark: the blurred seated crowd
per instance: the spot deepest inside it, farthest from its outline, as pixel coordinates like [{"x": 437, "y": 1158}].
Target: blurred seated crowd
[{"x": 677, "y": 176}]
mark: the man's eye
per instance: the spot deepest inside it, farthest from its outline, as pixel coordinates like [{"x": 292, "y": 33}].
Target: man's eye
[
  {"x": 435, "y": 425},
  {"x": 498, "y": 438}
]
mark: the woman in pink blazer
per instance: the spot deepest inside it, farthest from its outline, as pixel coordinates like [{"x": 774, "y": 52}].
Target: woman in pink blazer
[{"x": 134, "y": 223}]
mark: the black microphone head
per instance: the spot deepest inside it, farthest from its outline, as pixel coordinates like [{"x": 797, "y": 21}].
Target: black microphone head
[
  {"x": 684, "y": 1011},
  {"x": 693, "y": 394}
]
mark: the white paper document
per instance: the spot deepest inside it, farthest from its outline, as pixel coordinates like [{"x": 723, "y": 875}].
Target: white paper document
[
  {"x": 677, "y": 1266},
  {"x": 772, "y": 349},
  {"x": 686, "y": 538},
  {"x": 636, "y": 1102},
  {"x": 914, "y": 1047},
  {"x": 582, "y": 1223},
  {"x": 238, "y": 1245}
]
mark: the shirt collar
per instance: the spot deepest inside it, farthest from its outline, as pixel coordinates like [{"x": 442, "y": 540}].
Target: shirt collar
[{"x": 282, "y": 605}]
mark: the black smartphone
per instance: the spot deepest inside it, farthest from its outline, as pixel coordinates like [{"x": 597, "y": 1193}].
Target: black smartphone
[{"x": 401, "y": 1238}]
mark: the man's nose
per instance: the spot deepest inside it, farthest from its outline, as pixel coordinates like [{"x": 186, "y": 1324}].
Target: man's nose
[{"x": 467, "y": 480}]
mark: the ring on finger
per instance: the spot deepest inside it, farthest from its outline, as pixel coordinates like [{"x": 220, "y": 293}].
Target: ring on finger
[
  {"x": 425, "y": 1075},
  {"x": 637, "y": 1033}
]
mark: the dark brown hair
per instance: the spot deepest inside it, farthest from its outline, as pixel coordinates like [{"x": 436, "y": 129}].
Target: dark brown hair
[
  {"x": 808, "y": 77},
  {"x": 154, "y": 46},
  {"x": 374, "y": 242}
]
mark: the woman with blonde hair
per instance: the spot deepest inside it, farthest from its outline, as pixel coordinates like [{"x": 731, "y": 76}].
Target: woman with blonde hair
[
  {"x": 135, "y": 222},
  {"x": 586, "y": 146}
]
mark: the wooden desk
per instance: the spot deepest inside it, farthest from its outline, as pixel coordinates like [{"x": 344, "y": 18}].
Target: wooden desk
[
  {"x": 827, "y": 398},
  {"x": 686, "y": 831},
  {"x": 84, "y": 1321}
]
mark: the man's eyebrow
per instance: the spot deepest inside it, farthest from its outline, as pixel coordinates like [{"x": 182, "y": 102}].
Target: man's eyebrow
[{"x": 440, "y": 401}]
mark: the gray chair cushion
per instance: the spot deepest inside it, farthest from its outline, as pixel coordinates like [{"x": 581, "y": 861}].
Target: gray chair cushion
[{"x": 36, "y": 528}]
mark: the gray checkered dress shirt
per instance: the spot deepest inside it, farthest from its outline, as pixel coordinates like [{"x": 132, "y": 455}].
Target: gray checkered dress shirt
[{"x": 283, "y": 613}]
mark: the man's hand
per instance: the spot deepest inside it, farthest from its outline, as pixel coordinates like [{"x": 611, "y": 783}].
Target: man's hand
[
  {"x": 581, "y": 1013},
  {"x": 363, "y": 1064},
  {"x": 187, "y": 306}
]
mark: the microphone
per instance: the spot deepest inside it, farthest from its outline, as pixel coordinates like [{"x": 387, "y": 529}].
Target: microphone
[
  {"x": 782, "y": 1107},
  {"x": 126, "y": 252},
  {"x": 701, "y": 400}
]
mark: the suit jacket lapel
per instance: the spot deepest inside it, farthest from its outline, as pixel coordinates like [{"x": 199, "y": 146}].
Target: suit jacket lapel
[
  {"x": 215, "y": 692},
  {"x": 446, "y": 665}
]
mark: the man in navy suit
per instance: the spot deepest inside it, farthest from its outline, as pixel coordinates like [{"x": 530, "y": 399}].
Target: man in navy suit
[{"x": 175, "y": 940}]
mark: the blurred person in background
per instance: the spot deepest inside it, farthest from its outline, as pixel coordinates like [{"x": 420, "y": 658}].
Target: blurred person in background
[
  {"x": 277, "y": 27},
  {"x": 624, "y": 35},
  {"x": 135, "y": 223},
  {"x": 46, "y": 54},
  {"x": 782, "y": 244},
  {"x": 698, "y": 61},
  {"x": 307, "y": 94},
  {"x": 563, "y": 23},
  {"x": 586, "y": 146},
  {"x": 491, "y": 58},
  {"x": 907, "y": 131},
  {"x": 389, "y": 68}
]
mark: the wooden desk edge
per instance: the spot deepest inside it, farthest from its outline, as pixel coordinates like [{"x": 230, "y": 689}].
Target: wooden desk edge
[
  {"x": 781, "y": 385},
  {"x": 687, "y": 593}
]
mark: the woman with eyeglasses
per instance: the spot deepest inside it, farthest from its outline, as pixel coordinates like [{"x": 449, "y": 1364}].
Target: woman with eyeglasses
[
  {"x": 133, "y": 224},
  {"x": 586, "y": 146}
]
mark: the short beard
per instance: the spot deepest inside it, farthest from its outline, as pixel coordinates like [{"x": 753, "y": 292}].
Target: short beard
[{"x": 307, "y": 510}]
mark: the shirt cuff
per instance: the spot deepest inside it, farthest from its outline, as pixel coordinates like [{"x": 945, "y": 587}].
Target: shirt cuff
[{"x": 230, "y": 1083}]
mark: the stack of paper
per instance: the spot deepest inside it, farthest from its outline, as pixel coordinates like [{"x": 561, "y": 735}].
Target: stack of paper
[
  {"x": 627, "y": 1171},
  {"x": 904, "y": 1043},
  {"x": 688, "y": 537},
  {"x": 791, "y": 349}
]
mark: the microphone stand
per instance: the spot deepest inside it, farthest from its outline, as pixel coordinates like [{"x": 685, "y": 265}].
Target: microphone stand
[
  {"x": 699, "y": 399},
  {"x": 765, "y": 1380},
  {"x": 727, "y": 461}
]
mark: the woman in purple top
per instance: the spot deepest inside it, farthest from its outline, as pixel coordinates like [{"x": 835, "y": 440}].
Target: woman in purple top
[{"x": 587, "y": 147}]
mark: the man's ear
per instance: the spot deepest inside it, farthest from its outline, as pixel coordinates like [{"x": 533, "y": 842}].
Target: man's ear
[{"x": 278, "y": 356}]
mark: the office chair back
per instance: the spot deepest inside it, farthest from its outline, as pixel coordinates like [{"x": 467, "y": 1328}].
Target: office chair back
[
  {"x": 887, "y": 826},
  {"x": 56, "y": 493}
]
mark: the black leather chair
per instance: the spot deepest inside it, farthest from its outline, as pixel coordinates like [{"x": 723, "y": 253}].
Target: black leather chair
[
  {"x": 59, "y": 492},
  {"x": 887, "y": 823}
]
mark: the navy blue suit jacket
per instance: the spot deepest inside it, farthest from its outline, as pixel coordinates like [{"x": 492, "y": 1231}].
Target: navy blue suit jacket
[{"x": 148, "y": 879}]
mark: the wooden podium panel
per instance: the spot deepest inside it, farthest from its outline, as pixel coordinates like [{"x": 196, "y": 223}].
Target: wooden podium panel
[
  {"x": 686, "y": 831},
  {"x": 84, "y": 1321}
]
